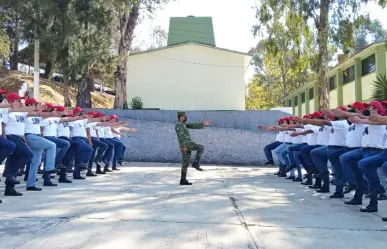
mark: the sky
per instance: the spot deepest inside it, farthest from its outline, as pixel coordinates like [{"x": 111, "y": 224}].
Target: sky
[{"x": 233, "y": 21}]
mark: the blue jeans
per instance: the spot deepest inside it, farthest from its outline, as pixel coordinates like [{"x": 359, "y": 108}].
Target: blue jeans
[
  {"x": 83, "y": 150},
  {"x": 268, "y": 148},
  {"x": 108, "y": 156},
  {"x": 118, "y": 147},
  {"x": 101, "y": 147},
  {"x": 281, "y": 153},
  {"x": 320, "y": 159},
  {"x": 123, "y": 149},
  {"x": 369, "y": 166},
  {"x": 37, "y": 144},
  {"x": 334, "y": 153},
  {"x": 21, "y": 156},
  {"x": 305, "y": 157},
  {"x": 62, "y": 145},
  {"x": 350, "y": 161},
  {"x": 294, "y": 153},
  {"x": 6, "y": 147}
]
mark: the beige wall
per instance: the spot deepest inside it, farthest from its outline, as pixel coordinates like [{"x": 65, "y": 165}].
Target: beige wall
[
  {"x": 303, "y": 109},
  {"x": 366, "y": 85},
  {"x": 349, "y": 93},
  {"x": 333, "y": 99},
  {"x": 167, "y": 79},
  {"x": 311, "y": 106}
]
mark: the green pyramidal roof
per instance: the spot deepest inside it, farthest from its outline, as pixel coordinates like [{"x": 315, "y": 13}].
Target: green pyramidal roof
[{"x": 191, "y": 29}]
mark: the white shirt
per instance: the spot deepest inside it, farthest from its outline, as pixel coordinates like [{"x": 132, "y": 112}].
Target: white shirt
[
  {"x": 117, "y": 130},
  {"x": 3, "y": 117},
  {"x": 338, "y": 133},
  {"x": 78, "y": 128},
  {"x": 280, "y": 136},
  {"x": 92, "y": 127},
  {"x": 323, "y": 135},
  {"x": 108, "y": 132},
  {"x": 355, "y": 135},
  {"x": 64, "y": 130},
  {"x": 101, "y": 131},
  {"x": 288, "y": 138},
  {"x": 51, "y": 127},
  {"x": 33, "y": 125},
  {"x": 374, "y": 136},
  {"x": 16, "y": 123},
  {"x": 312, "y": 137},
  {"x": 298, "y": 139}
]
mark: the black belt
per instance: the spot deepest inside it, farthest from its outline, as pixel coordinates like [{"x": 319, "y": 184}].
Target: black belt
[
  {"x": 372, "y": 148},
  {"x": 31, "y": 134}
]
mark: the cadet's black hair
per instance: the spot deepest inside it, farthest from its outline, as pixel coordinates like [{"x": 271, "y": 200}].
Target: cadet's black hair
[{"x": 1, "y": 98}]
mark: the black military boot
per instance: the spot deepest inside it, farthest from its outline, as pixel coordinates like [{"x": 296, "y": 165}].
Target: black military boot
[
  {"x": 184, "y": 182},
  {"x": 309, "y": 181},
  {"x": 384, "y": 219},
  {"x": 373, "y": 206},
  {"x": 10, "y": 191},
  {"x": 107, "y": 170},
  {"x": 196, "y": 166},
  {"x": 325, "y": 187},
  {"x": 270, "y": 162},
  {"x": 357, "y": 199},
  {"x": 90, "y": 173},
  {"x": 99, "y": 171},
  {"x": 63, "y": 177}
]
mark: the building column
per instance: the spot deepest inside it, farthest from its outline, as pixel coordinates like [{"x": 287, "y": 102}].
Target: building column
[
  {"x": 307, "y": 109},
  {"x": 339, "y": 82},
  {"x": 358, "y": 70},
  {"x": 299, "y": 104},
  {"x": 293, "y": 105},
  {"x": 380, "y": 59}
]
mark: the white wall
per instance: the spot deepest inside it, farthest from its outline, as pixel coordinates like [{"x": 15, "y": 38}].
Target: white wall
[{"x": 167, "y": 80}]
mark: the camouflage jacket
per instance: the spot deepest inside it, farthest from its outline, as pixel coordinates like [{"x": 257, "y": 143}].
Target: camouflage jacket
[{"x": 183, "y": 133}]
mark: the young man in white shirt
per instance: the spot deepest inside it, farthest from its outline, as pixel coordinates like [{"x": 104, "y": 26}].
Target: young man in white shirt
[
  {"x": 373, "y": 143},
  {"x": 278, "y": 141}
]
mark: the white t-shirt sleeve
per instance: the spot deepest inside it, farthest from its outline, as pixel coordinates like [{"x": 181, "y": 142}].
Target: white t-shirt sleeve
[
  {"x": 314, "y": 128},
  {"x": 340, "y": 125}
]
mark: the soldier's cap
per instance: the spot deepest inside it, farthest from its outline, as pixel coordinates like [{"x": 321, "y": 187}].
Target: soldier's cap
[{"x": 181, "y": 114}]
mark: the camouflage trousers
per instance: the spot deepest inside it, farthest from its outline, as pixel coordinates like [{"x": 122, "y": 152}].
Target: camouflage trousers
[{"x": 199, "y": 148}]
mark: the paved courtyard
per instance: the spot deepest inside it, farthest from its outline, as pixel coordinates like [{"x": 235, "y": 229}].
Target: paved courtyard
[{"x": 227, "y": 207}]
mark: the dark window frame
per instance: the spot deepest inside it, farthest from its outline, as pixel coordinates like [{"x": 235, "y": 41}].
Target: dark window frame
[
  {"x": 303, "y": 97},
  {"x": 289, "y": 103},
  {"x": 296, "y": 101},
  {"x": 368, "y": 65},
  {"x": 311, "y": 93},
  {"x": 332, "y": 83},
  {"x": 347, "y": 77}
]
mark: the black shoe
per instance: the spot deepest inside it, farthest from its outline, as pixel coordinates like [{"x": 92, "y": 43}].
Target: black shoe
[
  {"x": 336, "y": 195},
  {"x": 116, "y": 169},
  {"x": 1, "y": 201},
  {"x": 354, "y": 202},
  {"x": 78, "y": 178},
  {"x": 322, "y": 190},
  {"x": 276, "y": 174},
  {"x": 384, "y": 219},
  {"x": 33, "y": 189},
  {"x": 271, "y": 162},
  {"x": 315, "y": 187},
  {"x": 107, "y": 170},
  {"x": 282, "y": 175},
  {"x": 49, "y": 184},
  {"x": 12, "y": 192},
  {"x": 349, "y": 189},
  {"x": 290, "y": 178},
  {"x": 382, "y": 197},
  {"x": 298, "y": 179},
  {"x": 369, "y": 209},
  {"x": 196, "y": 166},
  {"x": 90, "y": 173},
  {"x": 100, "y": 172},
  {"x": 64, "y": 180},
  {"x": 185, "y": 182}
]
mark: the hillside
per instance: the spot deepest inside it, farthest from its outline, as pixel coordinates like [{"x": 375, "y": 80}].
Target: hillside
[{"x": 49, "y": 91}]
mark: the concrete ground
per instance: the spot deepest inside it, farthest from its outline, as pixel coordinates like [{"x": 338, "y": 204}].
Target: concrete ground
[{"x": 143, "y": 207}]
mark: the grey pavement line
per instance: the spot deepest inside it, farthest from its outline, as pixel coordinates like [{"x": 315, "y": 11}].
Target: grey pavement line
[
  {"x": 319, "y": 228},
  {"x": 240, "y": 216}
]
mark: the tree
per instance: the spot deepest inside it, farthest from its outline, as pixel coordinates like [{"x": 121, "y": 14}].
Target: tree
[
  {"x": 326, "y": 15},
  {"x": 128, "y": 13},
  {"x": 369, "y": 32},
  {"x": 4, "y": 42},
  {"x": 380, "y": 87},
  {"x": 259, "y": 98}
]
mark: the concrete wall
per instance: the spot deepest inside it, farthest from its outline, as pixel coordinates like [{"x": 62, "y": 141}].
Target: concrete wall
[
  {"x": 185, "y": 77},
  {"x": 349, "y": 95},
  {"x": 333, "y": 99},
  {"x": 233, "y": 139},
  {"x": 367, "y": 85}
]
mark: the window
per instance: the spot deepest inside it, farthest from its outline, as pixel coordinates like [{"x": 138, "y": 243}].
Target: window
[
  {"x": 296, "y": 101},
  {"x": 289, "y": 103},
  {"x": 368, "y": 65},
  {"x": 303, "y": 97},
  {"x": 332, "y": 83},
  {"x": 311, "y": 93},
  {"x": 349, "y": 75}
]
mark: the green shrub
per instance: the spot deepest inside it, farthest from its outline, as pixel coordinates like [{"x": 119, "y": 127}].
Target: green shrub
[{"x": 136, "y": 103}]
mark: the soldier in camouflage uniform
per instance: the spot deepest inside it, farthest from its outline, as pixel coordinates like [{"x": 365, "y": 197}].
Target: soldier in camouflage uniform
[{"x": 187, "y": 145}]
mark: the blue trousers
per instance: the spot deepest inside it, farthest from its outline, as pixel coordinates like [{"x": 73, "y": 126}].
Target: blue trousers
[
  {"x": 108, "y": 156},
  {"x": 62, "y": 147},
  {"x": 123, "y": 149},
  {"x": 268, "y": 148},
  {"x": 369, "y": 166},
  {"x": 320, "y": 159},
  {"x": 294, "y": 155},
  {"x": 99, "y": 146},
  {"x": 334, "y": 153},
  {"x": 118, "y": 147},
  {"x": 305, "y": 157},
  {"x": 350, "y": 161},
  {"x": 21, "y": 156}
]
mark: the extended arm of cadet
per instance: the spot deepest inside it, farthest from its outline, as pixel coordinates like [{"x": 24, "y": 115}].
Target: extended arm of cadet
[
  {"x": 195, "y": 126},
  {"x": 342, "y": 114},
  {"x": 317, "y": 122}
]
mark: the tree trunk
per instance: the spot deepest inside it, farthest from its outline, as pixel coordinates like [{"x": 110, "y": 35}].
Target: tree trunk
[
  {"x": 66, "y": 92},
  {"x": 128, "y": 23},
  {"x": 15, "y": 47},
  {"x": 83, "y": 96},
  {"x": 48, "y": 70},
  {"x": 323, "y": 29}
]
